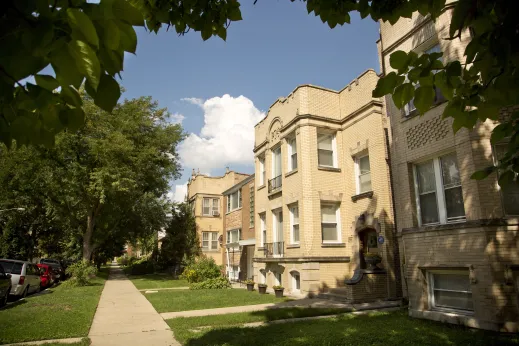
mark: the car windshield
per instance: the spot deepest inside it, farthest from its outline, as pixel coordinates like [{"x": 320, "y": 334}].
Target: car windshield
[{"x": 12, "y": 267}]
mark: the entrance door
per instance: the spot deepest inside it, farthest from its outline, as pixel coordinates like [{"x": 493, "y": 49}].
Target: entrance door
[
  {"x": 367, "y": 243},
  {"x": 278, "y": 233},
  {"x": 250, "y": 265}
]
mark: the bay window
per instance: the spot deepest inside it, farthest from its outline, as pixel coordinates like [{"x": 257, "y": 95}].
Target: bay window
[
  {"x": 363, "y": 172},
  {"x": 294, "y": 224},
  {"x": 234, "y": 201},
  {"x": 210, "y": 206},
  {"x": 209, "y": 241},
  {"x": 439, "y": 195},
  {"x": 292, "y": 154}
]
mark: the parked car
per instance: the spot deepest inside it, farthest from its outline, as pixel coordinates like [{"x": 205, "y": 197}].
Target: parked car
[
  {"x": 56, "y": 266},
  {"x": 5, "y": 286},
  {"x": 47, "y": 275},
  {"x": 25, "y": 276}
]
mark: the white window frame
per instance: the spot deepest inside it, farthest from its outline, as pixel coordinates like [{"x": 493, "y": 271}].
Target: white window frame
[
  {"x": 293, "y": 275},
  {"x": 210, "y": 241},
  {"x": 230, "y": 200},
  {"x": 263, "y": 228},
  {"x": 275, "y": 216},
  {"x": 292, "y": 208},
  {"x": 291, "y": 145},
  {"x": 217, "y": 209},
  {"x": 278, "y": 278},
  {"x": 252, "y": 216},
  {"x": 274, "y": 155},
  {"x": 496, "y": 163},
  {"x": 338, "y": 219},
  {"x": 440, "y": 193},
  {"x": 430, "y": 281},
  {"x": 209, "y": 206},
  {"x": 357, "y": 173},
  {"x": 334, "y": 150},
  {"x": 230, "y": 232},
  {"x": 262, "y": 174}
]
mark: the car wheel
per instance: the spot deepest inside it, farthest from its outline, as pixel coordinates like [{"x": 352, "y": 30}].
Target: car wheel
[{"x": 25, "y": 291}]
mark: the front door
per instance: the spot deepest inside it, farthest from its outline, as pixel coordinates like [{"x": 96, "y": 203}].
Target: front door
[
  {"x": 250, "y": 264},
  {"x": 367, "y": 243},
  {"x": 278, "y": 233}
]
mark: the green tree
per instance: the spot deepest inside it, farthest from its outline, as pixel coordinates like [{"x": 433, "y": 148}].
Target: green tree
[
  {"x": 181, "y": 240},
  {"x": 84, "y": 43},
  {"x": 103, "y": 182}
]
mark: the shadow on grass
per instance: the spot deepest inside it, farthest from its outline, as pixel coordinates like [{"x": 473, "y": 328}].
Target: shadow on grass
[{"x": 373, "y": 329}]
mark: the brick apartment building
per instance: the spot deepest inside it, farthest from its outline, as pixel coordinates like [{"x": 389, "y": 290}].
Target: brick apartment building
[
  {"x": 323, "y": 195},
  {"x": 458, "y": 237}
]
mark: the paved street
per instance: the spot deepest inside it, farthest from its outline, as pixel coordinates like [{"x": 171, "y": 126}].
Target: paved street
[{"x": 125, "y": 317}]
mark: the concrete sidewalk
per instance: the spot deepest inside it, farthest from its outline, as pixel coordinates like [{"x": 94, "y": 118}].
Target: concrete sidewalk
[{"x": 125, "y": 317}]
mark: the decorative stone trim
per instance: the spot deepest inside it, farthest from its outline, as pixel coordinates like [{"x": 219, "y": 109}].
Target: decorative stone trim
[
  {"x": 461, "y": 225},
  {"x": 368, "y": 194},
  {"x": 328, "y": 169},
  {"x": 261, "y": 187},
  {"x": 333, "y": 244},
  {"x": 331, "y": 259},
  {"x": 330, "y": 196},
  {"x": 359, "y": 148},
  {"x": 293, "y": 246}
]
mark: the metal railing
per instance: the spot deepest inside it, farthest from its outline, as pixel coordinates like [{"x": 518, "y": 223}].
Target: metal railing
[
  {"x": 274, "y": 249},
  {"x": 275, "y": 183}
]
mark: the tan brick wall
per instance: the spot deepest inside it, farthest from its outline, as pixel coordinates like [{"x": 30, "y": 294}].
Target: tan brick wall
[{"x": 488, "y": 250}]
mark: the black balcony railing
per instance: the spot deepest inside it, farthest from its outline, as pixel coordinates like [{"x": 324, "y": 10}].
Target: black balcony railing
[
  {"x": 274, "y": 249},
  {"x": 275, "y": 183}
]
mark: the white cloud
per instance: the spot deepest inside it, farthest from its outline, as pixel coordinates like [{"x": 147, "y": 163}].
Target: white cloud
[
  {"x": 178, "y": 194},
  {"x": 193, "y": 100},
  {"x": 176, "y": 118},
  {"x": 227, "y": 136}
]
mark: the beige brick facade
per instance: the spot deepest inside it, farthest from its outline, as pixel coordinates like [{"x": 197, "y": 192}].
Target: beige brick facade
[
  {"x": 201, "y": 186},
  {"x": 239, "y": 254},
  {"x": 483, "y": 248},
  {"x": 358, "y": 127}
]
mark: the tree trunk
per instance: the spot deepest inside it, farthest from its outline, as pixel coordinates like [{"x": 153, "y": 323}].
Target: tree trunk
[{"x": 88, "y": 247}]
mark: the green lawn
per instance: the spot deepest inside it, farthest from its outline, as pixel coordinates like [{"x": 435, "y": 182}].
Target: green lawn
[
  {"x": 83, "y": 342},
  {"x": 381, "y": 328},
  {"x": 184, "y": 300},
  {"x": 156, "y": 281},
  {"x": 64, "y": 312}
]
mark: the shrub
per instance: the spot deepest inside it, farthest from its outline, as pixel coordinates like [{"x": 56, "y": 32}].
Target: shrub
[
  {"x": 278, "y": 287},
  {"x": 211, "y": 284},
  {"x": 249, "y": 282},
  {"x": 142, "y": 267},
  {"x": 201, "y": 269},
  {"x": 262, "y": 285},
  {"x": 80, "y": 273}
]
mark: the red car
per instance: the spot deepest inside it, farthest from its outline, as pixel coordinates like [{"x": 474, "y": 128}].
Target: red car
[{"x": 47, "y": 275}]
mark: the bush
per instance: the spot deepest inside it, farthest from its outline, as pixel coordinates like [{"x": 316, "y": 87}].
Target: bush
[
  {"x": 201, "y": 269},
  {"x": 142, "y": 267},
  {"x": 211, "y": 284},
  {"x": 80, "y": 273}
]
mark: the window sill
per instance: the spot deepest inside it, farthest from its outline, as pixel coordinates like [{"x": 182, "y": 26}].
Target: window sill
[
  {"x": 415, "y": 112},
  {"x": 261, "y": 248},
  {"x": 333, "y": 245},
  {"x": 232, "y": 211},
  {"x": 291, "y": 173},
  {"x": 368, "y": 194},
  {"x": 215, "y": 251},
  {"x": 453, "y": 311},
  {"x": 211, "y": 216},
  {"x": 274, "y": 192},
  {"x": 460, "y": 225},
  {"x": 328, "y": 169},
  {"x": 261, "y": 187},
  {"x": 293, "y": 246}
]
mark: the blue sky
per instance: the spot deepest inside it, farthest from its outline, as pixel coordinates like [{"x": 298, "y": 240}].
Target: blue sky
[{"x": 276, "y": 47}]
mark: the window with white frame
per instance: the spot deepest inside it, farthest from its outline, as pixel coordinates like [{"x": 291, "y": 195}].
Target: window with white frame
[
  {"x": 450, "y": 290},
  {"x": 409, "y": 109},
  {"x": 234, "y": 201},
  {"x": 276, "y": 162},
  {"x": 439, "y": 196},
  {"x": 277, "y": 220},
  {"x": 510, "y": 191},
  {"x": 233, "y": 236},
  {"x": 292, "y": 154},
  {"x": 330, "y": 223},
  {"x": 263, "y": 229},
  {"x": 277, "y": 276},
  {"x": 262, "y": 178},
  {"x": 296, "y": 281},
  {"x": 209, "y": 241},
  {"x": 326, "y": 150},
  {"x": 294, "y": 224},
  {"x": 210, "y": 206},
  {"x": 363, "y": 172}
]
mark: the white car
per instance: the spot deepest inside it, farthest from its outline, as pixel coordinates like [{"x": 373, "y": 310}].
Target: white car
[{"x": 25, "y": 276}]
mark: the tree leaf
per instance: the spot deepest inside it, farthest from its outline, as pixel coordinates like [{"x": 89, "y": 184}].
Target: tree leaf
[
  {"x": 71, "y": 96},
  {"x": 424, "y": 98},
  {"x": 124, "y": 11},
  {"x": 128, "y": 37},
  {"x": 453, "y": 69},
  {"x": 386, "y": 84},
  {"x": 72, "y": 118},
  {"x": 222, "y": 33},
  {"x": 440, "y": 80},
  {"x": 79, "y": 21},
  {"x": 67, "y": 72},
  {"x": 398, "y": 60},
  {"x": 108, "y": 93},
  {"x": 46, "y": 81},
  {"x": 403, "y": 95},
  {"x": 506, "y": 178},
  {"x": 112, "y": 35},
  {"x": 235, "y": 14},
  {"x": 482, "y": 174},
  {"x": 86, "y": 61}
]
